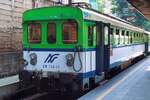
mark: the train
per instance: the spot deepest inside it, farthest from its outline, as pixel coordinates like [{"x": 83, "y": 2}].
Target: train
[{"x": 74, "y": 48}]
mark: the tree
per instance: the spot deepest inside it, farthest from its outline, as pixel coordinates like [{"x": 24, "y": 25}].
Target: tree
[
  {"x": 121, "y": 9},
  {"x": 101, "y": 5}
]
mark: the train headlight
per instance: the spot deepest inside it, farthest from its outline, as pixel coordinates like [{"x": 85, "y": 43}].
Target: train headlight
[
  {"x": 33, "y": 59},
  {"x": 70, "y": 60}
]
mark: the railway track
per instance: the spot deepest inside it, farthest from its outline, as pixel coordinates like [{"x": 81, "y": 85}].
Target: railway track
[
  {"x": 31, "y": 93},
  {"x": 22, "y": 93}
]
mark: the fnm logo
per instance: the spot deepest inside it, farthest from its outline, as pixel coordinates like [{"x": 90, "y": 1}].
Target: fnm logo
[{"x": 51, "y": 57}]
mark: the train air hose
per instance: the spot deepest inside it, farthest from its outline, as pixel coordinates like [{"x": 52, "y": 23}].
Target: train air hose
[{"x": 77, "y": 50}]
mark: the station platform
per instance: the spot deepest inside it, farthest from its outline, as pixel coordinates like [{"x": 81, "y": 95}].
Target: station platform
[
  {"x": 8, "y": 85},
  {"x": 9, "y": 80},
  {"x": 131, "y": 84}
]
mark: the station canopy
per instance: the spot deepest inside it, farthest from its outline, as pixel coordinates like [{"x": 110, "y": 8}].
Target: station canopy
[{"x": 143, "y": 6}]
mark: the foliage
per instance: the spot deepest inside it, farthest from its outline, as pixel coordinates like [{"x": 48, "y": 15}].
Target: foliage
[
  {"x": 121, "y": 9},
  {"x": 101, "y": 5}
]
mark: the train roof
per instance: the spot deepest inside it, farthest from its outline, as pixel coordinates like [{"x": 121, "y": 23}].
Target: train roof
[
  {"x": 61, "y": 12},
  {"x": 53, "y": 13},
  {"x": 93, "y": 15}
]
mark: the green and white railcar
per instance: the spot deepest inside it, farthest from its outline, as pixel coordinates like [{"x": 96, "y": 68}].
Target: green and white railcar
[
  {"x": 77, "y": 47},
  {"x": 148, "y": 41}
]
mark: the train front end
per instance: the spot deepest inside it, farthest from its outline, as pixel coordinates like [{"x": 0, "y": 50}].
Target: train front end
[{"x": 53, "y": 48}]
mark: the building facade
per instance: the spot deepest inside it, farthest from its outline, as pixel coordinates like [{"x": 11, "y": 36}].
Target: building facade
[{"x": 11, "y": 22}]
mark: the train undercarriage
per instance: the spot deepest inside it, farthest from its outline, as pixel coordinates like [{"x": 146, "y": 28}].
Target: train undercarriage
[{"x": 68, "y": 83}]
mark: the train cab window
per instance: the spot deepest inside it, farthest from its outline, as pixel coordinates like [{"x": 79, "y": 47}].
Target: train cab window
[
  {"x": 69, "y": 32},
  {"x": 51, "y": 33},
  {"x": 90, "y": 35},
  {"x": 34, "y": 33}
]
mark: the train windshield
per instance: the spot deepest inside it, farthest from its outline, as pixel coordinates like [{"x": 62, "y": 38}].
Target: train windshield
[
  {"x": 51, "y": 32},
  {"x": 69, "y": 32},
  {"x": 34, "y": 33}
]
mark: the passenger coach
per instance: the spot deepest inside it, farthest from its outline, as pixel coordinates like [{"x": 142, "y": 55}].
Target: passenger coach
[{"x": 72, "y": 48}]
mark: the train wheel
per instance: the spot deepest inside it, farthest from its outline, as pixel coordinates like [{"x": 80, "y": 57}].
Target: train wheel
[{"x": 92, "y": 83}]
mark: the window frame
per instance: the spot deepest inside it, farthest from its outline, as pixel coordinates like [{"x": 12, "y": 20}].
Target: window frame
[
  {"x": 112, "y": 36},
  {"x": 92, "y": 41},
  {"x": 55, "y": 32},
  {"x": 106, "y": 38},
  {"x": 28, "y": 40},
  {"x": 128, "y": 36},
  {"x": 118, "y": 33},
  {"x": 77, "y": 27},
  {"x": 123, "y": 32}
]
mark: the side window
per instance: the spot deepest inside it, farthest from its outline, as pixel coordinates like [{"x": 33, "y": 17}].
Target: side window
[
  {"x": 127, "y": 38},
  {"x": 51, "y": 33},
  {"x": 90, "y": 35},
  {"x": 134, "y": 36},
  {"x": 142, "y": 37},
  {"x": 34, "y": 33},
  {"x": 118, "y": 36},
  {"x": 131, "y": 37},
  {"x": 69, "y": 32},
  {"x": 123, "y": 37},
  {"x": 106, "y": 32},
  {"x": 111, "y": 36},
  {"x": 137, "y": 37}
]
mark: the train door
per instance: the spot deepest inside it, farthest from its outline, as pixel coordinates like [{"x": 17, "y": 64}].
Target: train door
[
  {"x": 106, "y": 48},
  {"x": 102, "y": 48}
]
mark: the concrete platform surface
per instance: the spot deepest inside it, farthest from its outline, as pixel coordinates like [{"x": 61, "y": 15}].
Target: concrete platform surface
[
  {"x": 131, "y": 84},
  {"x": 9, "y": 80}
]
